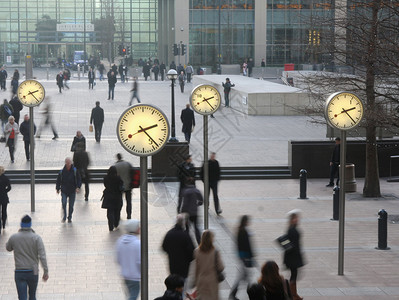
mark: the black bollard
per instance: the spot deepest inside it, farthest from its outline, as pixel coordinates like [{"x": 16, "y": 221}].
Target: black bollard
[
  {"x": 302, "y": 184},
  {"x": 336, "y": 203},
  {"x": 382, "y": 230}
]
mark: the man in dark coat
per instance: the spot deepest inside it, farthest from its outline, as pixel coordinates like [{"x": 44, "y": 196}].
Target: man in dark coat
[
  {"x": 172, "y": 66},
  {"x": 97, "y": 117},
  {"x": 155, "y": 70},
  {"x": 186, "y": 170},
  {"x": 78, "y": 139},
  {"x": 60, "y": 81},
  {"x": 334, "y": 162},
  {"x": 111, "y": 84},
  {"x": 146, "y": 71},
  {"x": 3, "y": 78},
  {"x": 188, "y": 120},
  {"x": 17, "y": 107},
  {"x": 227, "y": 88},
  {"x": 162, "y": 70},
  {"x": 81, "y": 162},
  {"x": 182, "y": 79},
  {"x": 179, "y": 247},
  {"x": 92, "y": 76},
  {"x": 24, "y": 129},
  {"x": 214, "y": 177}
]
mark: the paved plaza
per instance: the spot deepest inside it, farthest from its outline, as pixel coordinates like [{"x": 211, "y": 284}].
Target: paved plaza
[{"x": 81, "y": 255}]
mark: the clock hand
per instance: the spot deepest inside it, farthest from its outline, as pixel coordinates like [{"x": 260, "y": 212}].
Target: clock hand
[
  {"x": 343, "y": 111},
  {"x": 208, "y": 102},
  {"x": 346, "y": 111},
  {"x": 208, "y": 98},
  {"x": 143, "y": 129},
  {"x": 31, "y": 93}
]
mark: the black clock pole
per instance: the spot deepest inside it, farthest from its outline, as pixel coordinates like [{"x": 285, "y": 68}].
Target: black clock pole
[
  {"x": 32, "y": 160},
  {"x": 144, "y": 226},
  {"x": 206, "y": 174},
  {"x": 341, "y": 229}
]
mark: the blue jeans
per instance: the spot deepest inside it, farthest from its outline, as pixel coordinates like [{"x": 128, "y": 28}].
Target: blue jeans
[
  {"x": 25, "y": 280},
  {"x": 64, "y": 204},
  {"x": 226, "y": 99},
  {"x": 111, "y": 90},
  {"x": 133, "y": 288}
]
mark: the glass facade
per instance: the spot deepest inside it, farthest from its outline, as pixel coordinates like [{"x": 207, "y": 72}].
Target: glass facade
[
  {"x": 30, "y": 26},
  {"x": 293, "y": 33},
  {"x": 237, "y": 24}
]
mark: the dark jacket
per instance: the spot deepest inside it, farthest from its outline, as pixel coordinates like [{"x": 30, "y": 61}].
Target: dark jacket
[
  {"x": 227, "y": 86},
  {"x": 14, "y": 85},
  {"x": 17, "y": 107},
  {"x": 258, "y": 292},
  {"x": 243, "y": 244},
  {"x": 188, "y": 119},
  {"x": 146, "y": 70},
  {"x": 179, "y": 247},
  {"x": 24, "y": 129},
  {"x": 172, "y": 66},
  {"x": 81, "y": 162},
  {"x": 91, "y": 75},
  {"x": 111, "y": 79},
  {"x": 4, "y": 112},
  {"x": 214, "y": 171},
  {"x": 336, "y": 155},
  {"x": 293, "y": 257},
  {"x": 192, "y": 198},
  {"x": 97, "y": 116},
  {"x": 81, "y": 140},
  {"x": 185, "y": 171},
  {"x": 60, "y": 80},
  {"x": 113, "y": 192},
  {"x": 170, "y": 295},
  {"x": 5, "y": 187},
  {"x": 68, "y": 181},
  {"x": 162, "y": 68}
]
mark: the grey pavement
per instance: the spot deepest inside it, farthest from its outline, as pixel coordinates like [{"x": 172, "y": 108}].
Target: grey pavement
[{"x": 81, "y": 255}]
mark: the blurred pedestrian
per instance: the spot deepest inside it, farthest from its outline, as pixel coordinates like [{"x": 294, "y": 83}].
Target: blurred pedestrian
[
  {"x": 11, "y": 131},
  {"x": 162, "y": 70},
  {"x": 174, "y": 288},
  {"x": 172, "y": 66},
  {"x": 92, "y": 77},
  {"x": 128, "y": 249},
  {"x": 28, "y": 249},
  {"x": 113, "y": 197},
  {"x": 208, "y": 265},
  {"x": 186, "y": 170},
  {"x": 78, "y": 138},
  {"x": 67, "y": 77},
  {"x": 81, "y": 161},
  {"x": 101, "y": 69},
  {"x": 69, "y": 183},
  {"x": 227, "y": 88},
  {"x": 25, "y": 131},
  {"x": 60, "y": 81},
  {"x": 5, "y": 187},
  {"x": 111, "y": 84},
  {"x": 189, "y": 72},
  {"x": 214, "y": 177},
  {"x": 334, "y": 162},
  {"x": 155, "y": 70},
  {"x": 188, "y": 119},
  {"x": 97, "y": 117},
  {"x": 125, "y": 172},
  {"x": 6, "y": 110},
  {"x": 3, "y": 78},
  {"x": 245, "y": 254},
  {"x": 271, "y": 285},
  {"x": 293, "y": 257},
  {"x": 135, "y": 91},
  {"x": 250, "y": 66},
  {"x": 191, "y": 199},
  {"x": 121, "y": 73},
  {"x": 17, "y": 107},
  {"x": 179, "y": 247},
  {"x": 182, "y": 79},
  {"x": 147, "y": 71},
  {"x": 14, "y": 82},
  {"x": 47, "y": 120}
]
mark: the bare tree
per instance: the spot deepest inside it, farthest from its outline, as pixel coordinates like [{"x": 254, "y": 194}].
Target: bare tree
[{"x": 363, "y": 37}]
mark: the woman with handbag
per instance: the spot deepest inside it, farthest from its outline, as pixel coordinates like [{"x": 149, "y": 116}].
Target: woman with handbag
[
  {"x": 208, "y": 268},
  {"x": 293, "y": 256},
  {"x": 112, "y": 197},
  {"x": 245, "y": 254}
]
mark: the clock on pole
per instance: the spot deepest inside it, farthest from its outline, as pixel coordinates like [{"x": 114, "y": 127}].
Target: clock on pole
[
  {"x": 31, "y": 93},
  {"x": 205, "y": 99}
]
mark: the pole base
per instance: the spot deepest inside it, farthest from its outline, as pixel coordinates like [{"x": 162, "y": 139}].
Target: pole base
[
  {"x": 387, "y": 248},
  {"x": 332, "y": 219},
  {"x": 173, "y": 140},
  {"x": 303, "y": 198}
]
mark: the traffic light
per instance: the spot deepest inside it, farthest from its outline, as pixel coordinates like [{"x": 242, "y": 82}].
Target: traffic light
[
  {"x": 123, "y": 51},
  {"x": 120, "y": 49},
  {"x": 127, "y": 50},
  {"x": 183, "y": 49},
  {"x": 175, "y": 50}
]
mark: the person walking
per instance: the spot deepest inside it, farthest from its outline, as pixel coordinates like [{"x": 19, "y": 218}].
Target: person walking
[
  {"x": 189, "y": 72},
  {"x": 69, "y": 183},
  {"x": 135, "y": 91},
  {"x": 188, "y": 119},
  {"x": 245, "y": 254},
  {"x": 97, "y": 117},
  {"x": 113, "y": 197},
  {"x": 5, "y": 187},
  {"x": 179, "y": 247},
  {"x": 101, "y": 69},
  {"x": 78, "y": 139},
  {"x": 11, "y": 131},
  {"x": 172, "y": 66},
  {"x": 6, "y": 110},
  {"x": 250, "y": 66},
  {"x": 28, "y": 250},
  {"x": 208, "y": 265},
  {"x": 191, "y": 199},
  {"x": 271, "y": 285},
  {"x": 47, "y": 121},
  {"x": 125, "y": 170},
  {"x": 111, "y": 84},
  {"x": 25, "y": 131},
  {"x": 67, "y": 77},
  {"x": 121, "y": 73},
  {"x": 174, "y": 288},
  {"x": 182, "y": 79},
  {"x": 155, "y": 70},
  {"x": 227, "y": 88},
  {"x": 186, "y": 170},
  {"x": 214, "y": 177},
  {"x": 60, "y": 81},
  {"x": 14, "y": 82},
  {"x": 334, "y": 162},
  {"x": 162, "y": 70},
  {"x": 293, "y": 257},
  {"x": 81, "y": 161},
  {"x": 92, "y": 76},
  {"x": 16, "y": 107},
  {"x": 3, "y": 78},
  {"x": 146, "y": 71},
  {"x": 128, "y": 249}
]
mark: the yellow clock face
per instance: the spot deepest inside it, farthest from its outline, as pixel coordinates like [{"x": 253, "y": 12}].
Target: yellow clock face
[
  {"x": 205, "y": 99},
  {"x": 143, "y": 129},
  {"x": 344, "y": 110},
  {"x": 31, "y": 93}
]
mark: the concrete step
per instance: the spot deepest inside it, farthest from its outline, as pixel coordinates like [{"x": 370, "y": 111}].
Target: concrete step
[{"x": 97, "y": 175}]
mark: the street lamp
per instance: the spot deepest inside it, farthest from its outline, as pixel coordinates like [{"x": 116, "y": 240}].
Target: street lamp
[{"x": 172, "y": 75}]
